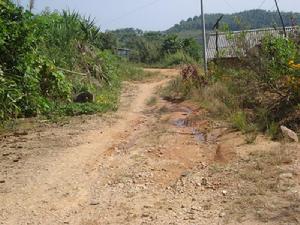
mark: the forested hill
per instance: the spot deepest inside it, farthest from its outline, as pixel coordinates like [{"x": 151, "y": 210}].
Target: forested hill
[{"x": 250, "y": 19}]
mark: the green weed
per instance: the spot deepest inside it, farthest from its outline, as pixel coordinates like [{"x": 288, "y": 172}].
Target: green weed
[
  {"x": 152, "y": 101},
  {"x": 240, "y": 122}
]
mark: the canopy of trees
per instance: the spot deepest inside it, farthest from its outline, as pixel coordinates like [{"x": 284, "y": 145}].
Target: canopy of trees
[
  {"x": 250, "y": 19},
  {"x": 153, "y": 47}
]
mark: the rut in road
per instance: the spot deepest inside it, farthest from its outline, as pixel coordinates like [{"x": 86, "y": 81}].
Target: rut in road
[
  {"x": 151, "y": 162},
  {"x": 49, "y": 189}
]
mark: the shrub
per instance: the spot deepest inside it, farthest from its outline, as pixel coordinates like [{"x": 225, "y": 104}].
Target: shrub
[
  {"x": 151, "y": 101},
  {"x": 239, "y": 121},
  {"x": 29, "y": 80},
  {"x": 218, "y": 100},
  {"x": 264, "y": 85},
  {"x": 36, "y": 53},
  {"x": 76, "y": 109},
  {"x": 178, "y": 58},
  {"x": 10, "y": 94}
]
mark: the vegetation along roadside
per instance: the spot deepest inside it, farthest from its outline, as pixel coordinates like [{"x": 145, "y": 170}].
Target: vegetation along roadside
[{"x": 257, "y": 92}]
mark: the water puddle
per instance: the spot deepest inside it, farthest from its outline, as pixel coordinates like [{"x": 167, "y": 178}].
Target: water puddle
[
  {"x": 180, "y": 123},
  {"x": 199, "y": 136},
  {"x": 183, "y": 122}
]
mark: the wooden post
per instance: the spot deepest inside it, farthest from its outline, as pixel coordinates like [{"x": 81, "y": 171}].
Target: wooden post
[
  {"x": 204, "y": 38},
  {"x": 282, "y": 22},
  {"x": 216, "y": 27}
]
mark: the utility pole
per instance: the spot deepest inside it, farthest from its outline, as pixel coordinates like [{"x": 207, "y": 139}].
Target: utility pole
[
  {"x": 282, "y": 22},
  {"x": 31, "y": 5},
  {"x": 204, "y": 38},
  {"x": 216, "y": 27}
]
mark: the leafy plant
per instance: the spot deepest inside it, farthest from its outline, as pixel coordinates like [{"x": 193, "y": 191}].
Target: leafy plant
[
  {"x": 240, "y": 122},
  {"x": 44, "y": 57}
]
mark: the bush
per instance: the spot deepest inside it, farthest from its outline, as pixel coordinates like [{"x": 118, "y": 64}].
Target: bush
[
  {"x": 129, "y": 71},
  {"x": 265, "y": 87},
  {"x": 178, "y": 58},
  {"x": 176, "y": 90},
  {"x": 76, "y": 109},
  {"x": 239, "y": 121},
  {"x": 218, "y": 100},
  {"x": 47, "y": 58},
  {"x": 29, "y": 80},
  {"x": 10, "y": 94}
]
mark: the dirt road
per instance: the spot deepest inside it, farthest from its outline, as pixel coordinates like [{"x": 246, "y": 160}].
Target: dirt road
[{"x": 151, "y": 162}]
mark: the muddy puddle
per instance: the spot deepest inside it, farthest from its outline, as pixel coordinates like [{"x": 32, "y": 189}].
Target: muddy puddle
[{"x": 182, "y": 120}]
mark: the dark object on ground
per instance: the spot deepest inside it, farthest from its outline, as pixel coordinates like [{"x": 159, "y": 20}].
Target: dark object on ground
[
  {"x": 176, "y": 99},
  {"x": 190, "y": 72},
  {"x": 84, "y": 97}
]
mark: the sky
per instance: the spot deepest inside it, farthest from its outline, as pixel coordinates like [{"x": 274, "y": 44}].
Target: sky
[{"x": 155, "y": 14}]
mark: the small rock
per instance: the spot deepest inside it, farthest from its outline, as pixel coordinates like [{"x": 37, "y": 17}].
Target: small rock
[
  {"x": 289, "y": 133},
  {"x": 224, "y": 192},
  {"x": 222, "y": 214},
  {"x": 185, "y": 174},
  {"x": 2, "y": 181},
  {"x": 121, "y": 185},
  {"x": 204, "y": 181},
  {"x": 16, "y": 160},
  {"x": 21, "y": 133},
  {"x": 286, "y": 176},
  {"x": 6, "y": 154},
  {"x": 145, "y": 215},
  {"x": 195, "y": 209},
  {"x": 94, "y": 202},
  {"x": 192, "y": 217}
]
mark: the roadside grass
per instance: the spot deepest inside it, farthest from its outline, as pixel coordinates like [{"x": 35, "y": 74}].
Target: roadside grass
[
  {"x": 131, "y": 72},
  {"x": 240, "y": 122},
  {"x": 178, "y": 58},
  {"x": 152, "y": 101},
  {"x": 221, "y": 103},
  {"x": 175, "y": 90},
  {"x": 218, "y": 100},
  {"x": 106, "y": 98}
]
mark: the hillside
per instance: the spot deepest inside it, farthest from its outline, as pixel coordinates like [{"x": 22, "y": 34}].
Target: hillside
[{"x": 250, "y": 19}]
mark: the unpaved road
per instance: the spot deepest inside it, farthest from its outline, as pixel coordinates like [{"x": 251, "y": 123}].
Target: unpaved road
[{"x": 151, "y": 162}]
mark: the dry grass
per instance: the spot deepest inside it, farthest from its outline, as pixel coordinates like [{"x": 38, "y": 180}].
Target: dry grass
[
  {"x": 152, "y": 101},
  {"x": 217, "y": 99},
  {"x": 265, "y": 188}
]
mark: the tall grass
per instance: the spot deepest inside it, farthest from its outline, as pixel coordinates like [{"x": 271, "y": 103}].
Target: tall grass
[{"x": 178, "y": 58}]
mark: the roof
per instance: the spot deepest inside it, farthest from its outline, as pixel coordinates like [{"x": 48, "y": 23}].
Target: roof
[{"x": 229, "y": 42}]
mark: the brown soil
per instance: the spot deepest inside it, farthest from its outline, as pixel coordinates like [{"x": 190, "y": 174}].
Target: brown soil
[{"x": 168, "y": 163}]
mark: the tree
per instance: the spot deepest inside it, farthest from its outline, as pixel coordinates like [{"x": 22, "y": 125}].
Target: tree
[
  {"x": 191, "y": 47},
  {"x": 171, "y": 44}
]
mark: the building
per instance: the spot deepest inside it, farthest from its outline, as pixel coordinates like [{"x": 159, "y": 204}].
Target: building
[
  {"x": 229, "y": 44},
  {"x": 123, "y": 52}
]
